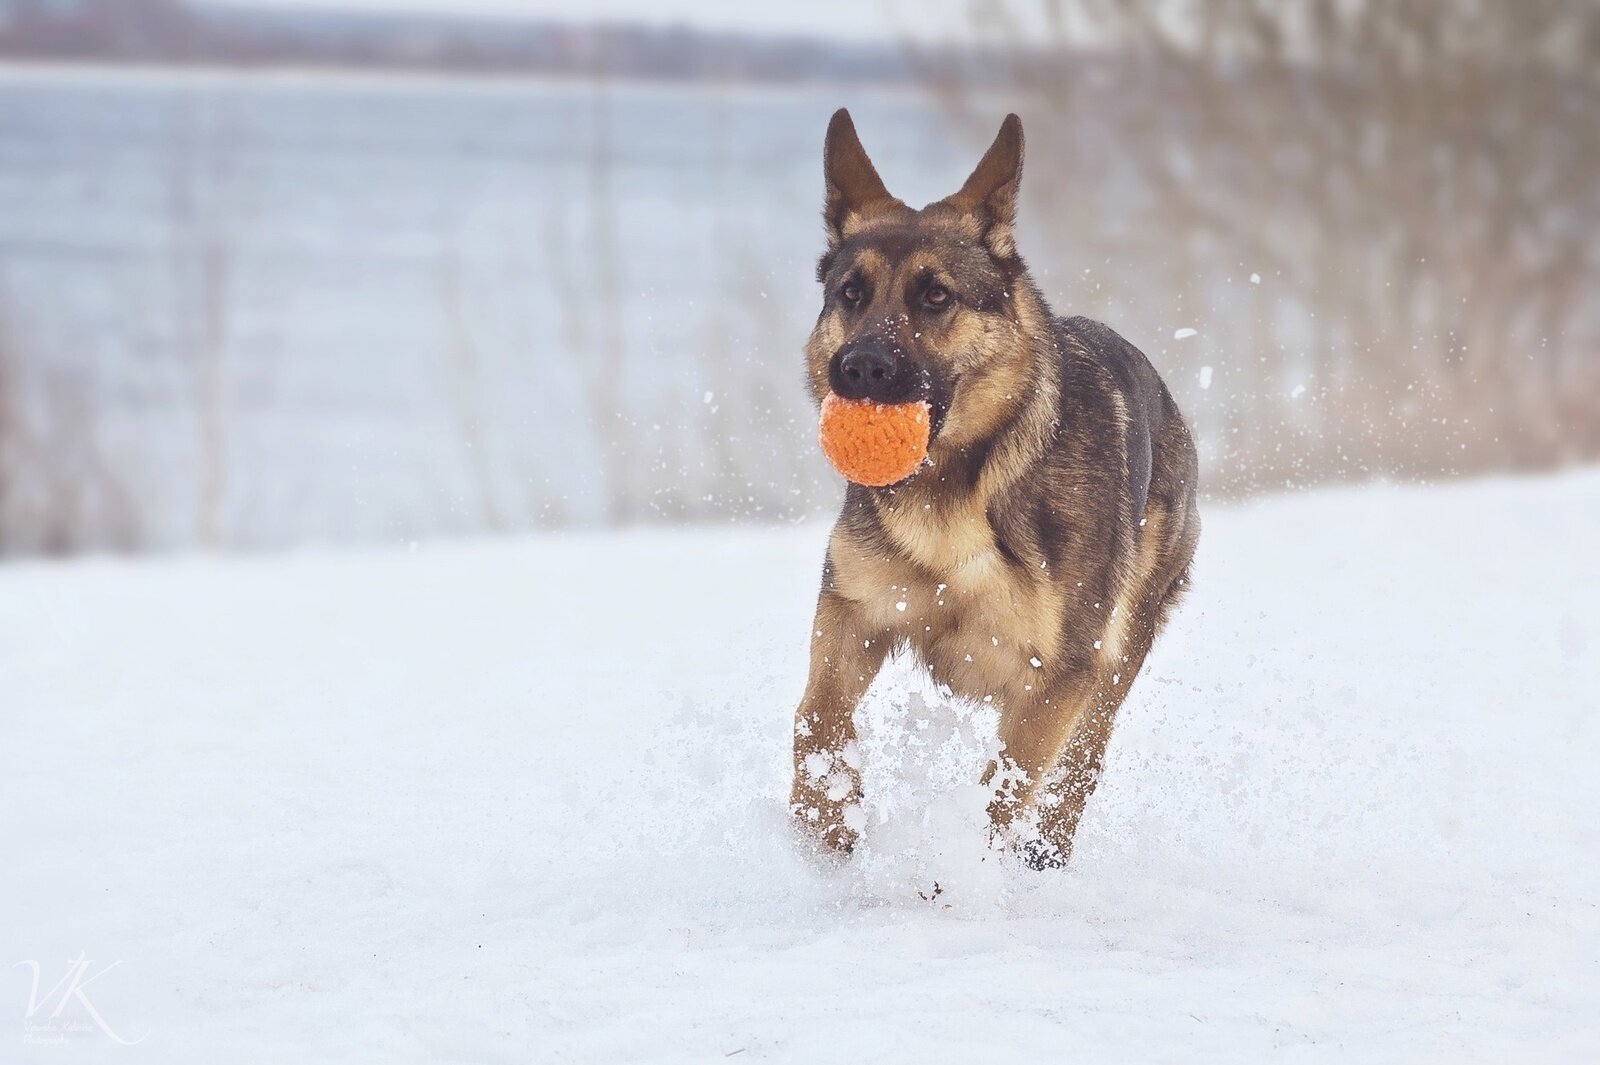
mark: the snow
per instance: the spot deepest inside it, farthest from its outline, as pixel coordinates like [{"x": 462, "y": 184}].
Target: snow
[
  {"x": 1184, "y": 333},
  {"x": 524, "y": 801},
  {"x": 1205, "y": 376}
]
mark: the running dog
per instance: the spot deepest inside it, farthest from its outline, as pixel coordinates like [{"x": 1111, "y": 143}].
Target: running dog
[{"x": 1032, "y": 558}]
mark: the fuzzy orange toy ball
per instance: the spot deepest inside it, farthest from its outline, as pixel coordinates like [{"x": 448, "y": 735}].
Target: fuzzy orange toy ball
[{"x": 874, "y": 444}]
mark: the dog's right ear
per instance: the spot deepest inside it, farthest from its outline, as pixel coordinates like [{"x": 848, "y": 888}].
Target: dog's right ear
[
  {"x": 990, "y": 194},
  {"x": 854, "y": 187}
]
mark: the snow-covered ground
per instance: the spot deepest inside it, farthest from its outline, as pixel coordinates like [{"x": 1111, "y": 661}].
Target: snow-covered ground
[{"x": 523, "y": 801}]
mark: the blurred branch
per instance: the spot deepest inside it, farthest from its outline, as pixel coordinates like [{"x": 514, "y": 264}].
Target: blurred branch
[
  {"x": 1419, "y": 179},
  {"x": 461, "y": 374},
  {"x": 201, "y": 169}
]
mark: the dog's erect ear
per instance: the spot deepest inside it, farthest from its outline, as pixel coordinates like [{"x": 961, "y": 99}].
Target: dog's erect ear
[
  {"x": 991, "y": 192},
  {"x": 854, "y": 186}
]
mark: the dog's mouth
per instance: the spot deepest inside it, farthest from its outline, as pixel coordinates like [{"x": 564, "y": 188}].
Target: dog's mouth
[
  {"x": 938, "y": 393},
  {"x": 941, "y": 394}
]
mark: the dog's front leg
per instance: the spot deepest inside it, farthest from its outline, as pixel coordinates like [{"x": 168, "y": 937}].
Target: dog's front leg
[
  {"x": 846, "y": 653},
  {"x": 1034, "y": 728}
]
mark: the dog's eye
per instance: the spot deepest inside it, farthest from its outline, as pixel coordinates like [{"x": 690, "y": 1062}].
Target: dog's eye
[
  {"x": 850, "y": 292},
  {"x": 937, "y": 297}
]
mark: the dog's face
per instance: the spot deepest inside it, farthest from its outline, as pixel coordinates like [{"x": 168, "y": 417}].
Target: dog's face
[{"x": 918, "y": 304}]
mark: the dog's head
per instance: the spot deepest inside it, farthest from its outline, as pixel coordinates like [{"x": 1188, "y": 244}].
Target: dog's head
[{"x": 925, "y": 304}]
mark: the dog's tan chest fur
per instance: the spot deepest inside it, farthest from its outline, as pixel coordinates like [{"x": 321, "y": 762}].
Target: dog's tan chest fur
[{"x": 982, "y": 625}]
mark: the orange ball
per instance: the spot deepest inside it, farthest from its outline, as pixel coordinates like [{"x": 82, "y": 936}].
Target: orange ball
[{"x": 874, "y": 444}]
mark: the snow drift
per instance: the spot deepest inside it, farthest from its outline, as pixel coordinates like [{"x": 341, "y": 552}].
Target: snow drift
[{"x": 524, "y": 801}]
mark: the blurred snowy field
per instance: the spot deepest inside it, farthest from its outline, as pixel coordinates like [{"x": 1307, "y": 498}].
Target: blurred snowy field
[{"x": 523, "y": 801}]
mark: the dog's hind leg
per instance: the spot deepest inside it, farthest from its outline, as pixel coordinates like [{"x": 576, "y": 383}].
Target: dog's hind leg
[
  {"x": 846, "y": 654},
  {"x": 1061, "y": 800},
  {"x": 1065, "y": 793},
  {"x": 1166, "y": 546}
]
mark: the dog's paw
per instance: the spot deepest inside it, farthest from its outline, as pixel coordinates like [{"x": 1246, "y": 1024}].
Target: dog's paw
[
  {"x": 1041, "y": 854},
  {"x": 826, "y": 826},
  {"x": 825, "y": 803}
]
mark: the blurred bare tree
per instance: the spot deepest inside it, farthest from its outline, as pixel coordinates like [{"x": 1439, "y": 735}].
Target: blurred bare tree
[
  {"x": 606, "y": 365},
  {"x": 60, "y": 491},
  {"x": 202, "y": 163},
  {"x": 463, "y": 380},
  {"x": 13, "y": 445},
  {"x": 1419, "y": 182}
]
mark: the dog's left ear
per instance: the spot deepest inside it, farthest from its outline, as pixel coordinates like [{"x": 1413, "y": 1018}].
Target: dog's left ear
[
  {"x": 854, "y": 188},
  {"x": 991, "y": 192}
]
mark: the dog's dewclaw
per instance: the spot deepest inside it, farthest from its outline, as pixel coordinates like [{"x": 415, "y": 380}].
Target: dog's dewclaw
[{"x": 874, "y": 444}]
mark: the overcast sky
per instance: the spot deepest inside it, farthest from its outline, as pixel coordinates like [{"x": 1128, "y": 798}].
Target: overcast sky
[{"x": 864, "y": 19}]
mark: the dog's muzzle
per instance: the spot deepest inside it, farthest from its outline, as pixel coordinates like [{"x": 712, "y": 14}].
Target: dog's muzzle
[{"x": 876, "y": 369}]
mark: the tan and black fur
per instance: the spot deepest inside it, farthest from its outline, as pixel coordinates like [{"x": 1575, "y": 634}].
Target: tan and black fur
[{"x": 1034, "y": 556}]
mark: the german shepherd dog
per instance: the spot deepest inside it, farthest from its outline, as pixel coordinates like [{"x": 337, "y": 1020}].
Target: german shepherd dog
[{"x": 1032, "y": 558}]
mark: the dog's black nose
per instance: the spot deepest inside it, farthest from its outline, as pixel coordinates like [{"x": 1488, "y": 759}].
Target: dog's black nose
[{"x": 870, "y": 369}]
